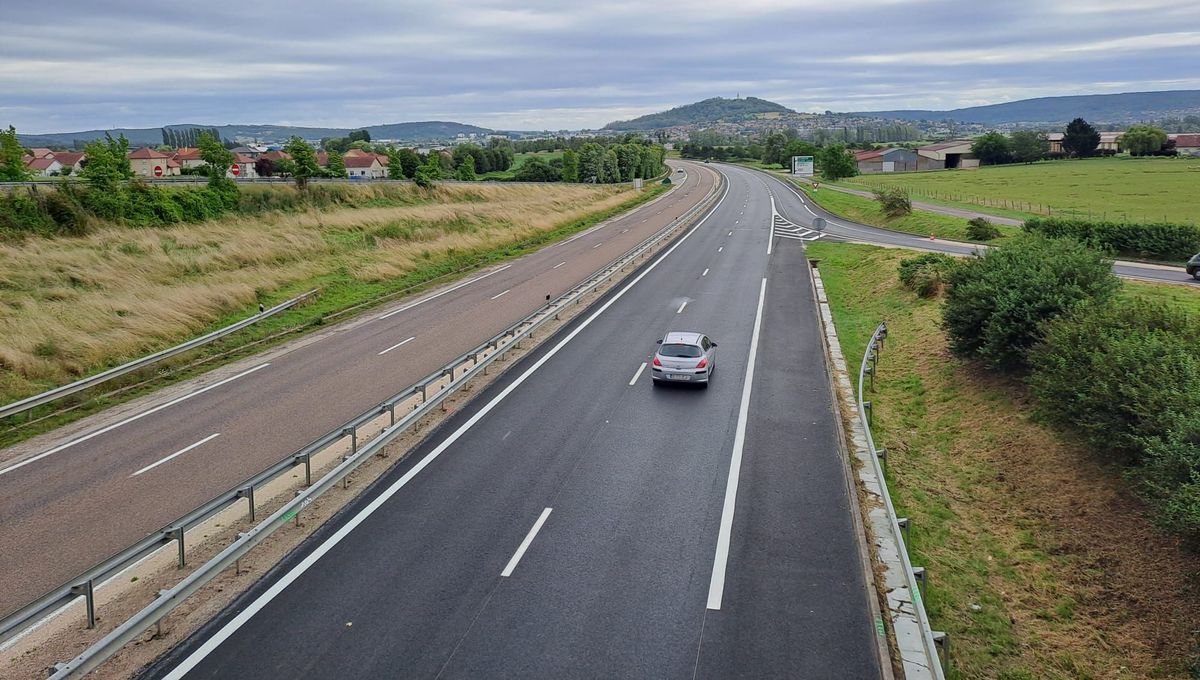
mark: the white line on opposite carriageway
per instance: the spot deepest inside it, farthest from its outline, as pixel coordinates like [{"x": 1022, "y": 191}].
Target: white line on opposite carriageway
[
  {"x": 705, "y": 273},
  {"x": 512, "y": 564},
  {"x": 638, "y": 373},
  {"x": 720, "y": 249},
  {"x": 178, "y": 453},
  {"x": 422, "y": 301},
  {"x": 128, "y": 420},
  {"x": 680, "y": 310},
  {"x": 716, "y": 586},
  {"x": 730, "y": 233},
  {"x": 497, "y": 295},
  {"x": 558, "y": 265},
  {"x": 304, "y": 565},
  {"x": 398, "y": 344}
]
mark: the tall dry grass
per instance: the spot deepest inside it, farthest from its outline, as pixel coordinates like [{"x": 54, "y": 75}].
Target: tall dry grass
[{"x": 71, "y": 305}]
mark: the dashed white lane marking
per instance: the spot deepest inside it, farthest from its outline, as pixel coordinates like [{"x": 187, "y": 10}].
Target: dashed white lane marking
[
  {"x": 720, "y": 249},
  {"x": 558, "y": 265},
  {"x": 597, "y": 245},
  {"x": 498, "y": 295},
  {"x": 438, "y": 295},
  {"x": 398, "y": 344},
  {"x": 716, "y": 587},
  {"x": 704, "y": 273},
  {"x": 638, "y": 374},
  {"x": 139, "y": 416},
  {"x": 178, "y": 453},
  {"x": 680, "y": 310},
  {"x": 512, "y": 564},
  {"x": 731, "y": 233}
]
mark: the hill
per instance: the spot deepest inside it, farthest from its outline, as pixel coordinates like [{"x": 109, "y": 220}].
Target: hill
[
  {"x": 424, "y": 131},
  {"x": 1128, "y": 107},
  {"x": 714, "y": 110}
]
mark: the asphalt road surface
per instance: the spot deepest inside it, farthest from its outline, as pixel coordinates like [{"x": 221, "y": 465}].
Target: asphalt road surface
[
  {"x": 575, "y": 521},
  {"x": 73, "y": 497}
]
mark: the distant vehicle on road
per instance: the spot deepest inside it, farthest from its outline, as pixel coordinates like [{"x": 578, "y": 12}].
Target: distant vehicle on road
[
  {"x": 684, "y": 357},
  {"x": 678, "y": 169},
  {"x": 1193, "y": 267}
]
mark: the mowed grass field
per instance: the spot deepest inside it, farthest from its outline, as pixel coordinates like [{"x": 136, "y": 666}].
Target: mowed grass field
[
  {"x": 518, "y": 160},
  {"x": 71, "y": 306},
  {"x": 1119, "y": 188},
  {"x": 1040, "y": 563}
]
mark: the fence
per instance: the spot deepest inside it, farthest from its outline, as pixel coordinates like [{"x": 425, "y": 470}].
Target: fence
[{"x": 427, "y": 393}]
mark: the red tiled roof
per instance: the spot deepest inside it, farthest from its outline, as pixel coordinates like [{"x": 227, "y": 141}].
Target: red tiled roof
[
  {"x": 1186, "y": 140},
  {"x": 41, "y": 152},
  {"x": 276, "y": 156},
  {"x": 356, "y": 152},
  {"x": 360, "y": 161},
  {"x": 146, "y": 153},
  {"x": 867, "y": 155},
  {"x": 69, "y": 157},
  {"x": 40, "y": 164},
  {"x": 187, "y": 153},
  {"x": 172, "y": 163},
  {"x": 322, "y": 158},
  {"x": 242, "y": 159}
]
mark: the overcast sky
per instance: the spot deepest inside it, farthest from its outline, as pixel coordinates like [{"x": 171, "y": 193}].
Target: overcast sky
[{"x": 554, "y": 64}]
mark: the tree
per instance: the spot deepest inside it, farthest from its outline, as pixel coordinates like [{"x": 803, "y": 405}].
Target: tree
[
  {"x": 337, "y": 165},
  {"x": 395, "y": 167},
  {"x": 992, "y": 149},
  {"x": 264, "y": 167},
  {"x": 610, "y": 169},
  {"x": 836, "y": 162},
  {"x": 12, "y": 168},
  {"x": 304, "y": 161},
  {"x": 1143, "y": 140},
  {"x": 359, "y": 136},
  {"x": 430, "y": 171},
  {"x": 536, "y": 169},
  {"x": 1029, "y": 146},
  {"x": 1080, "y": 139},
  {"x": 466, "y": 169},
  {"x": 217, "y": 159},
  {"x": 591, "y": 158},
  {"x": 570, "y": 171},
  {"x": 409, "y": 161},
  {"x": 108, "y": 162}
]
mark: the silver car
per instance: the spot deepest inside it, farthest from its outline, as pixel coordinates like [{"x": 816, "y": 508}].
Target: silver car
[{"x": 684, "y": 357}]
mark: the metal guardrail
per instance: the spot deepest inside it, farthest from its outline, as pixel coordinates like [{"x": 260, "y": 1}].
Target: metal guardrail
[
  {"x": 91, "y": 381},
  {"x": 432, "y": 393},
  {"x": 933, "y": 642}
]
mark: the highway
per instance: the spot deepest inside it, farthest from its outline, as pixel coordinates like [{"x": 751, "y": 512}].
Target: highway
[
  {"x": 574, "y": 521},
  {"x": 75, "y": 496}
]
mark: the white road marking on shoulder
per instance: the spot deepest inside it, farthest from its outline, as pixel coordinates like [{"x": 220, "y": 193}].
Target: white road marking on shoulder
[
  {"x": 638, "y": 373},
  {"x": 498, "y": 295},
  {"x": 512, "y": 564},
  {"x": 139, "y": 416},
  {"x": 680, "y": 310},
  {"x": 398, "y": 344},
  {"x": 716, "y": 587},
  {"x": 180, "y": 452}
]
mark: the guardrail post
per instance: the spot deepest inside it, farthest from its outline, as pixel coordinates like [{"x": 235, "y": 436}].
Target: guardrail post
[
  {"x": 941, "y": 640},
  {"x": 176, "y": 534},
  {"x": 307, "y": 458},
  {"x": 88, "y": 591},
  {"x": 869, "y": 410},
  {"x": 353, "y": 432},
  {"x": 248, "y": 494},
  {"x": 903, "y": 523},
  {"x": 392, "y": 413},
  {"x": 920, "y": 576}
]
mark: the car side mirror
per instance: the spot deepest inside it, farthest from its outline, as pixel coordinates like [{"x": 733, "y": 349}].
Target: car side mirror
[
  {"x": 658, "y": 342},
  {"x": 714, "y": 344}
]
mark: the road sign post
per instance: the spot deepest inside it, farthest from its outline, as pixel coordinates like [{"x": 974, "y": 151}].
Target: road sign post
[{"x": 802, "y": 165}]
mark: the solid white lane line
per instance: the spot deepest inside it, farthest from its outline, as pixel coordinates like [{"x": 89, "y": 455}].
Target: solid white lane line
[
  {"x": 498, "y": 295},
  {"x": 128, "y": 420},
  {"x": 422, "y": 301},
  {"x": 180, "y": 452},
  {"x": 680, "y": 310},
  {"x": 638, "y": 374},
  {"x": 558, "y": 265},
  {"x": 716, "y": 587},
  {"x": 597, "y": 245},
  {"x": 512, "y": 564},
  {"x": 398, "y": 344},
  {"x": 705, "y": 273},
  {"x": 290, "y": 577}
]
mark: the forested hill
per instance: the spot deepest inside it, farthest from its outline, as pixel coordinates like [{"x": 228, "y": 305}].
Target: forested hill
[
  {"x": 433, "y": 130},
  {"x": 1127, "y": 107},
  {"x": 712, "y": 110}
]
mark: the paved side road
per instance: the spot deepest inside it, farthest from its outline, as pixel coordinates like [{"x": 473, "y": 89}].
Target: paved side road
[{"x": 574, "y": 521}]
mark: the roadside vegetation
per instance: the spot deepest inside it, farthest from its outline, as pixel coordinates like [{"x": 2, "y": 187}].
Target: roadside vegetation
[
  {"x": 1051, "y": 554},
  {"x": 71, "y": 306}
]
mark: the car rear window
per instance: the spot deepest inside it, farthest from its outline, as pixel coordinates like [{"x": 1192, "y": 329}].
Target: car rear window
[{"x": 680, "y": 351}]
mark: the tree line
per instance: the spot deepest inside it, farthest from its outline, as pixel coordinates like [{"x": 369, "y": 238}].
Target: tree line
[{"x": 177, "y": 138}]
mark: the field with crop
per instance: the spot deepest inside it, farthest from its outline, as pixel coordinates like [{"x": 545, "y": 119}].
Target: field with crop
[{"x": 1119, "y": 188}]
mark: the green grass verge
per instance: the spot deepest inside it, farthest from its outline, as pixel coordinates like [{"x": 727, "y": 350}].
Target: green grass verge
[
  {"x": 1006, "y": 515},
  {"x": 339, "y": 292},
  {"x": 518, "y": 161},
  {"x": 1119, "y": 188}
]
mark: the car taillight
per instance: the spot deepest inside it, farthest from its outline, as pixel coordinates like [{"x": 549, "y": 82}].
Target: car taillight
[
  {"x": 657, "y": 362},
  {"x": 703, "y": 362}
]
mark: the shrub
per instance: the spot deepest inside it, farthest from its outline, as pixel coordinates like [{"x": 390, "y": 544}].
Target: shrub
[
  {"x": 69, "y": 216},
  {"x": 894, "y": 201},
  {"x": 998, "y": 303},
  {"x": 926, "y": 274},
  {"x": 979, "y": 229},
  {"x": 1169, "y": 477},
  {"x": 1153, "y": 240}
]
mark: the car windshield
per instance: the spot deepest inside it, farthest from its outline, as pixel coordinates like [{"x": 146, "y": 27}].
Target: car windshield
[{"x": 680, "y": 351}]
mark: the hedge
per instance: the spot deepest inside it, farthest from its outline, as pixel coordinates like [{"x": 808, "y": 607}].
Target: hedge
[{"x": 1153, "y": 240}]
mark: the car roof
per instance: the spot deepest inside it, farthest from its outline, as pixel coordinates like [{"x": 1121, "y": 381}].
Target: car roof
[{"x": 682, "y": 338}]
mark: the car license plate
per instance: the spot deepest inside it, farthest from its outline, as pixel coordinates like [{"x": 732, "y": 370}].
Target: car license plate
[{"x": 679, "y": 376}]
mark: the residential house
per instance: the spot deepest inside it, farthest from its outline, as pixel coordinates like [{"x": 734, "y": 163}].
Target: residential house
[
  {"x": 365, "y": 166},
  {"x": 43, "y": 167},
  {"x": 41, "y": 152},
  {"x": 244, "y": 167},
  {"x": 147, "y": 162},
  {"x": 71, "y": 159},
  {"x": 1055, "y": 139},
  {"x": 188, "y": 157},
  {"x": 946, "y": 155},
  {"x": 1186, "y": 143},
  {"x": 247, "y": 151},
  {"x": 886, "y": 160}
]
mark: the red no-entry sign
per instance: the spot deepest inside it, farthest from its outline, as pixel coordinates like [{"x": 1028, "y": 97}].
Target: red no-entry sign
[
  {"x": 158, "y": 171},
  {"x": 236, "y": 169}
]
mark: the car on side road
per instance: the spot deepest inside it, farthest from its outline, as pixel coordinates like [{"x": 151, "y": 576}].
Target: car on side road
[
  {"x": 684, "y": 357},
  {"x": 1193, "y": 267}
]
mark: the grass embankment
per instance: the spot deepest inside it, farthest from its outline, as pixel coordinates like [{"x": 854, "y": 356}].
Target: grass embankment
[
  {"x": 73, "y": 306},
  {"x": 1041, "y": 564},
  {"x": 518, "y": 161},
  {"x": 868, "y": 211},
  {"x": 1121, "y": 188}
]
